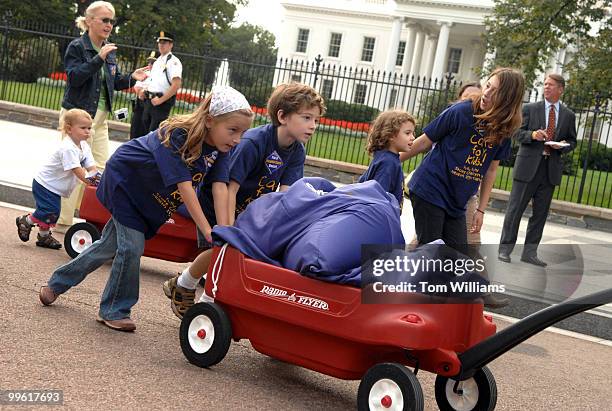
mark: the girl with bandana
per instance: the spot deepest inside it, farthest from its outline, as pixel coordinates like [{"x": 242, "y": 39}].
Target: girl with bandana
[{"x": 144, "y": 182}]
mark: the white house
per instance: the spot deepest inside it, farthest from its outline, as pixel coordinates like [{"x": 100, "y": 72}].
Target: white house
[
  {"x": 426, "y": 38},
  {"x": 417, "y": 39}
]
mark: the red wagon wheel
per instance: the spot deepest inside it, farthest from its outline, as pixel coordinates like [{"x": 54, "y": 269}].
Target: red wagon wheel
[
  {"x": 205, "y": 334},
  {"x": 390, "y": 386},
  {"x": 80, "y": 237},
  {"x": 476, "y": 393}
]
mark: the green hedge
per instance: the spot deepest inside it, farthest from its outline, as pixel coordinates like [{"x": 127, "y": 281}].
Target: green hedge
[{"x": 358, "y": 113}]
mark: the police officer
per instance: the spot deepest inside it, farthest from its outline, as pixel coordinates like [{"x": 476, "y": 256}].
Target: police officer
[
  {"x": 137, "y": 127},
  {"x": 165, "y": 81}
]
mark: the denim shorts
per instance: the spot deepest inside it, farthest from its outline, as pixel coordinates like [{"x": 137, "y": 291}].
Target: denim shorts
[{"x": 48, "y": 204}]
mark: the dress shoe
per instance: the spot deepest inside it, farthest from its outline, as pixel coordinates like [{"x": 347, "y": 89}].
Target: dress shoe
[
  {"x": 124, "y": 324},
  {"x": 46, "y": 295},
  {"x": 505, "y": 257},
  {"x": 492, "y": 301},
  {"x": 533, "y": 260}
]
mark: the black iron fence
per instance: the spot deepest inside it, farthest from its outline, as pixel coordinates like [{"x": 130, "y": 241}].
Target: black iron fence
[{"x": 32, "y": 72}]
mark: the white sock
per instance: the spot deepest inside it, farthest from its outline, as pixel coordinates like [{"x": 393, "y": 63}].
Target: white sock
[
  {"x": 44, "y": 233},
  {"x": 185, "y": 280},
  {"x": 29, "y": 220}
]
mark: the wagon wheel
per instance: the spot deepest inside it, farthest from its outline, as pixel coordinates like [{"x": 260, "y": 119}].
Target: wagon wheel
[
  {"x": 478, "y": 393},
  {"x": 205, "y": 334},
  {"x": 80, "y": 237},
  {"x": 390, "y": 386}
]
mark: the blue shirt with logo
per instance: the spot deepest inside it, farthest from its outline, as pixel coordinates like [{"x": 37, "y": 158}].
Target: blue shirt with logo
[
  {"x": 139, "y": 183},
  {"x": 260, "y": 165},
  {"x": 451, "y": 173},
  {"x": 386, "y": 168}
]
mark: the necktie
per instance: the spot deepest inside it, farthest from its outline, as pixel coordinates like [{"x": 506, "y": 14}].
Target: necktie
[{"x": 550, "y": 129}]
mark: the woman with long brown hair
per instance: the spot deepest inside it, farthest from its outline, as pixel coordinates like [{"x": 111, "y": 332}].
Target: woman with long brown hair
[{"x": 471, "y": 138}]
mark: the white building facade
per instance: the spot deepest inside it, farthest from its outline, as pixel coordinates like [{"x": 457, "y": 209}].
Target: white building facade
[{"x": 414, "y": 39}]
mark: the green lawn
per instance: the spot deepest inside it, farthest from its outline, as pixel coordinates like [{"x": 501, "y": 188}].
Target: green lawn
[
  {"x": 32, "y": 94},
  {"x": 341, "y": 147},
  {"x": 597, "y": 187}
]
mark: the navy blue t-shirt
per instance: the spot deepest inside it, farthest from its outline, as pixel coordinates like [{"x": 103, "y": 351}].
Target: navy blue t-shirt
[
  {"x": 386, "y": 168},
  {"x": 139, "y": 183},
  {"x": 260, "y": 166},
  {"x": 451, "y": 173}
]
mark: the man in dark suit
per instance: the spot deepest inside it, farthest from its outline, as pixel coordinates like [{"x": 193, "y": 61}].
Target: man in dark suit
[{"x": 548, "y": 130}]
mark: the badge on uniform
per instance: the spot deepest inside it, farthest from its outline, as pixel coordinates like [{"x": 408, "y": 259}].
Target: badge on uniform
[
  {"x": 273, "y": 162},
  {"x": 210, "y": 159}
]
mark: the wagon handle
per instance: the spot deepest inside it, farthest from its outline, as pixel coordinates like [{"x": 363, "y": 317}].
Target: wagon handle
[{"x": 489, "y": 349}]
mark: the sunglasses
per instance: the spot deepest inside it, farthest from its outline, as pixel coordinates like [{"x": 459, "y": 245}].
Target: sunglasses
[{"x": 107, "y": 20}]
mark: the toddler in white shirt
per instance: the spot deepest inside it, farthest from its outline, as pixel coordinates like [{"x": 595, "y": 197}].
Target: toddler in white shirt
[{"x": 58, "y": 177}]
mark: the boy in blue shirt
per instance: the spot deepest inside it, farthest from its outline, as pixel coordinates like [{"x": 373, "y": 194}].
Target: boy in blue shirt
[
  {"x": 391, "y": 133},
  {"x": 268, "y": 157},
  {"x": 273, "y": 155}
]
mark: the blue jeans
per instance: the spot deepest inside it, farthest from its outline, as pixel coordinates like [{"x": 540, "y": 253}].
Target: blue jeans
[{"x": 122, "y": 287}]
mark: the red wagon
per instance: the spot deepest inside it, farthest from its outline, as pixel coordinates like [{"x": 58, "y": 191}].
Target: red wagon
[
  {"x": 175, "y": 240},
  {"x": 326, "y": 328}
]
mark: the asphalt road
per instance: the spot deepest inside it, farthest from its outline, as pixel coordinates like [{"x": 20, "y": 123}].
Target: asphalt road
[{"x": 63, "y": 347}]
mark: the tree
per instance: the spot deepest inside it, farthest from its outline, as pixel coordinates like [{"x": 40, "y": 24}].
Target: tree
[
  {"x": 526, "y": 33},
  {"x": 589, "y": 69},
  {"x": 252, "y": 55},
  {"x": 43, "y": 11}
]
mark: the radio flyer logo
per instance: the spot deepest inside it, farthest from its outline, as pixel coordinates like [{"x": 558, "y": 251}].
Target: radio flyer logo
[
  {"x": 294, "y": 298},
  {"x": 273, "y": 162}
]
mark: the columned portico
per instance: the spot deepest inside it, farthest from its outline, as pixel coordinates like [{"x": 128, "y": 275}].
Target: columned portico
[
  {"x": 409, "y": 52},
  {"x": 475, "y": 59},
  {"x": 429, "y": 58},
  {"x": 396, "y": 31},
  {"x": 415, "y": 67},
  {"x": 441, "y": 50}
]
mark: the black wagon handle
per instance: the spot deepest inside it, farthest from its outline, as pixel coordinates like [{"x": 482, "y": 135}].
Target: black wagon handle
[{"x": 487, "y": 350}]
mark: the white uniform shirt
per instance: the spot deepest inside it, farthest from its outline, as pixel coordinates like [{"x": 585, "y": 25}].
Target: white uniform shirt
[
  {"x": 159, "y": 81},
  {"x": 56, "y": 175},
  {"x": 144, "y": 84}
]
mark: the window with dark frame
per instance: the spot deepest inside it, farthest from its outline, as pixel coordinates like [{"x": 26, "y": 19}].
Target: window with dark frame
[
  {"x": 367, "y": 53},
  {"x": 359, "y": 94},
  {"x": 401, "y": 50},
  {"x": 327, "y": 89},
  {"x": 392, "y": 98},
  {"x": 335, "y": 41},
  {"x": 454, "y": 60},
  {"x": 302, "y": 41}
]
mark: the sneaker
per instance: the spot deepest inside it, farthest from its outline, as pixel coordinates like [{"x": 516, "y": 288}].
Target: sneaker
[
  {"x": 23, "y": 228},
  {"x": 46, "y": 295},
  {"x": 48, "y": 241},
  {"x": 181, "y": 298},
  {"x": 124, "y": 324}
]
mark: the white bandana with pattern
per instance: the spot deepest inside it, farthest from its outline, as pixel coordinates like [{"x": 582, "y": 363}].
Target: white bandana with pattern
[{"x": 225, "y": 100}]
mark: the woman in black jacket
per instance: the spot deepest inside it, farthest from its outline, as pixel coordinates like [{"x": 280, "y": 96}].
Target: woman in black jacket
[{"x": 92, "y": 76}]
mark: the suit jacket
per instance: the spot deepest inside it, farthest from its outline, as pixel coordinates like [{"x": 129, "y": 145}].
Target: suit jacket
[{"x": 530, "y": 152}]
